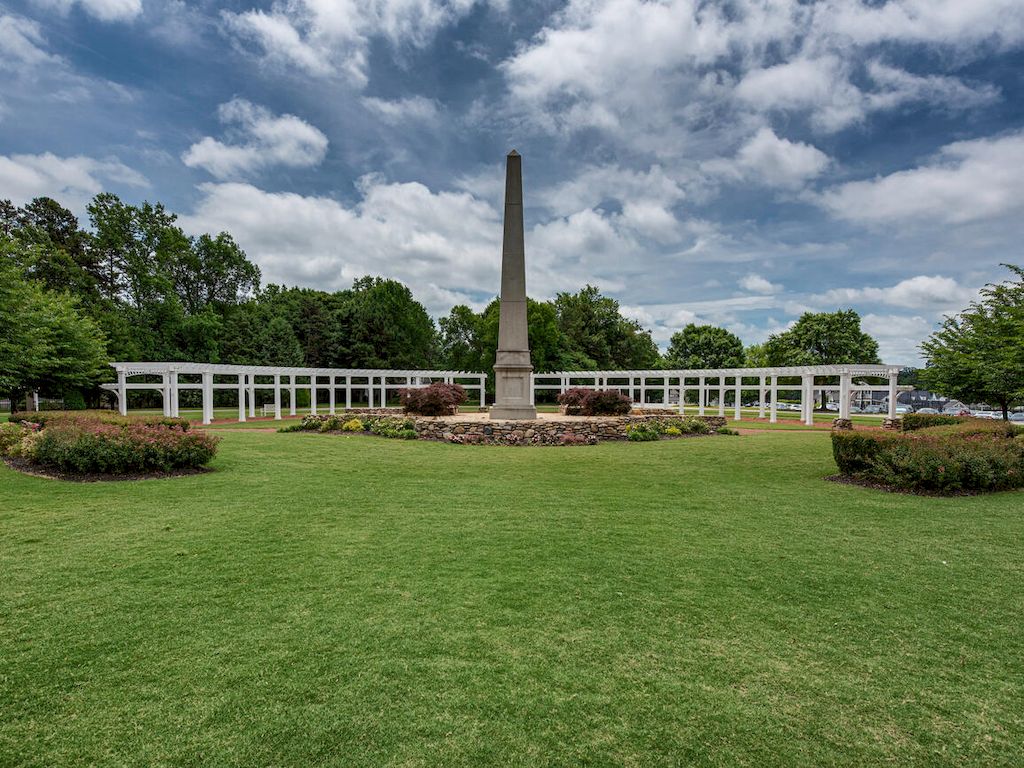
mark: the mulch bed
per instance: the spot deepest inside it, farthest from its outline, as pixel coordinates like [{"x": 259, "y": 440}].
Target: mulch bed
[
  {"x": 847, "y": 480},
  {"x": 27, "y": 468}
]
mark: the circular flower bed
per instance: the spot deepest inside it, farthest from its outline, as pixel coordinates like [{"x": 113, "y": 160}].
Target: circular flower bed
[{"x": 98, "y": 446}]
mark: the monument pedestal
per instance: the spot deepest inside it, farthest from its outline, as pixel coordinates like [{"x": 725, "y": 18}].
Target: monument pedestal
[{"x": 512, "y": 390}]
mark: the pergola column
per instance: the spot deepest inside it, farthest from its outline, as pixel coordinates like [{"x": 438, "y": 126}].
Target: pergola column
[
  {"x": 291, "y": 394},
  {"x": 739, "y": 397},
  {"x": 277, "y": 396},
  {"x": 808, "y": 399},
  {"x": 331, "y": 401},
  {"x": 252, "y": 396},
  {"x": 774, "y": 411},
  {"x": 721, "y": 395},
  {"x": 175, "y": 407},
  {"x": 701, "y": 394},
  {"x": 844, "y": 395},
  {"x": 348, "y": 392},
  {"x": 207, "y": 381},
  {"x": 369, "y": 391},
  {"x": 241, "y": 397},
  {"x": 122, "y": 392},
  {"x": 312, "y": 394},
  {"x": 760, "y": 397},
  {"x": 664, "y": 392},
  {"x": 893, "y": 379},
  {"x": 165, "y": 392}
]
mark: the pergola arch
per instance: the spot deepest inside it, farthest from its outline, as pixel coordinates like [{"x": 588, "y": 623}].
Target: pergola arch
[
  {"x": 638, "y": 382},
  {"x": 376, "y": 382}
]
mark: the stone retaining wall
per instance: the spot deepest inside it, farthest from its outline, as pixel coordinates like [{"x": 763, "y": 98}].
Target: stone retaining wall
[{"x": 541, "y": 432}]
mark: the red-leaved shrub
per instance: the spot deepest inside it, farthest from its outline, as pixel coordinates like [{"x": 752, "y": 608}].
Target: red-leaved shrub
[
  {"x": 595, "y": 402},
  {"x": 437, "y": 399}
]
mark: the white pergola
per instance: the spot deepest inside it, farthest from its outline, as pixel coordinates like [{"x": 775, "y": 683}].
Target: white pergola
[
  {"x": 206, "y": 377},
  {"x": 721, "y": 380}
]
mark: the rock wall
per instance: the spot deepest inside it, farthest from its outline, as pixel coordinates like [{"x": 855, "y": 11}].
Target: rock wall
[{"x": 541, "y": 432}]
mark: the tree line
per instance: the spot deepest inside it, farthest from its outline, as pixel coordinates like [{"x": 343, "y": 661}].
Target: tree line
[{"x": 134, "y": 286}]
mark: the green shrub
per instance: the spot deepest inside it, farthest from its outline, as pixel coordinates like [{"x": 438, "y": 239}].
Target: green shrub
[
  {"x": 402, "y": 429},
  {"x": 73, "y": 400},
  {"x": 112, "y": 448},
  {"x": 915, "y": 421},
  {"x": 972, "y": 427},
  {"x": 854, "y": 451},
  {"x": 352, "y": 425},
  {"x": 11, "y": 434},
  {"x": 330, "y": 424},
  {"x": 643, "y": 432},
  {"x": 726, "y": 431},
  {"x": 673, "y": 431},
  {"x": 943, "y": 463}
]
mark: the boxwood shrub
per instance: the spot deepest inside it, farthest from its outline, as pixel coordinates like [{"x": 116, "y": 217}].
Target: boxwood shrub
[{"x": 938, "y": 460}]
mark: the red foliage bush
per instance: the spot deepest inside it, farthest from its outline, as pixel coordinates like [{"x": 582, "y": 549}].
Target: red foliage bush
[
  {"x": 437, "y": 399},
  {"x": 595, "y": 402},
  {"x": 94, "y": 446}
]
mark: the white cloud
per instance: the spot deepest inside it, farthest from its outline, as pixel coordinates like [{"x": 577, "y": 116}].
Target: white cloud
[
  {"x": 772, "y": 161},
  {"x": 686, "y": 65},
  {"x": 22, "y": 44},
  {"x": 104, "y": 10},
  {"x": 70, "y": 180},
  {"x": 400, "y": 111},
  {"x": 899, "y": 336},
  {"x": 261, "y": 140},
  {"x": 966, "y": 181},
  {"x": 757, "y": 284},
  {"x": 445, "y": 245},
  {"x": 920, "y": 292},
  {"x": 323, "y": 37}
]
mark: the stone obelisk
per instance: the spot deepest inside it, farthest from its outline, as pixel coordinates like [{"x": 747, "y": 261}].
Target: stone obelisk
[{"x": 512, "y": 367}]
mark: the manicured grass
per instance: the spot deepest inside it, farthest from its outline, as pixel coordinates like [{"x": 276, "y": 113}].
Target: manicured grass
[{"x": 347, "y": 600}]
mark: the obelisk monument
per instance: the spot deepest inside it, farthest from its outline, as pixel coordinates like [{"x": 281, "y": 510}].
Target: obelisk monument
[{"x": 512, "y": 367}]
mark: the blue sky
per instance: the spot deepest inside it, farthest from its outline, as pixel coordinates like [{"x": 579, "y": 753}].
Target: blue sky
[{"x": 733, "y": 162}]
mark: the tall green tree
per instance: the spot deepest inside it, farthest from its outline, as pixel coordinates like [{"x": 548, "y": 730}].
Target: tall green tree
[
  {"x": 278, "y": 345},
  {"x": 823, "y": 338},
  {"x": 704, "y": 346},
  {"x": 597, "y": 336},
  {"x": 978, "y": 355},
  {"x": 47, "y": 344}
]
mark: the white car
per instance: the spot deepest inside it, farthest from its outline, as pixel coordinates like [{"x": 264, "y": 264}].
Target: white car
[
  {"x": 927, "y": 410},
  {"x": 1017, "y": 418},
  {"x": 904, "y": 409}
]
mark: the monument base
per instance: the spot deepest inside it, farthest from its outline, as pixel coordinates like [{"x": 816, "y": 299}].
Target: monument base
[{"x": 513, "y": 412}]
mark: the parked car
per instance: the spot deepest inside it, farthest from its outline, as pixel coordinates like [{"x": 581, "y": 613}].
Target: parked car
[
  {"x": 1017, "y": 418},
  {"x": 831, "y": 406},
  {"x": 986, "y": 415},
  {"x": 874, "y": 408},
  {"x": 904, "y": 409},
  {"x": 927, "y": 410}
]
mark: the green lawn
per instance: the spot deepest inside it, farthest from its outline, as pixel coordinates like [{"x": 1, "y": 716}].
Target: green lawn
[{"x": 353, "y": 601}]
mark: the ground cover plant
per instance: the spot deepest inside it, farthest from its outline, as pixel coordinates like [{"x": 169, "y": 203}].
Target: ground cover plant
[
  {"x": 401, "y": 428},
  {"x": 966, "y": 456},
  {"x": 323, "y": 602}
]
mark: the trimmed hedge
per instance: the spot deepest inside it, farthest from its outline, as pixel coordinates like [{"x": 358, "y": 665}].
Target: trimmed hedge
[
  {"x": 94, "y": 446},
  {"x": 44, "y": 419},
  {"x": 914, "y": 421},
  {"x": 944, "y": 459}
]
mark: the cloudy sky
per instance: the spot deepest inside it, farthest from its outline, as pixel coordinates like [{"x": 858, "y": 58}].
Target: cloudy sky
[{"x": 735, "y": 162}]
